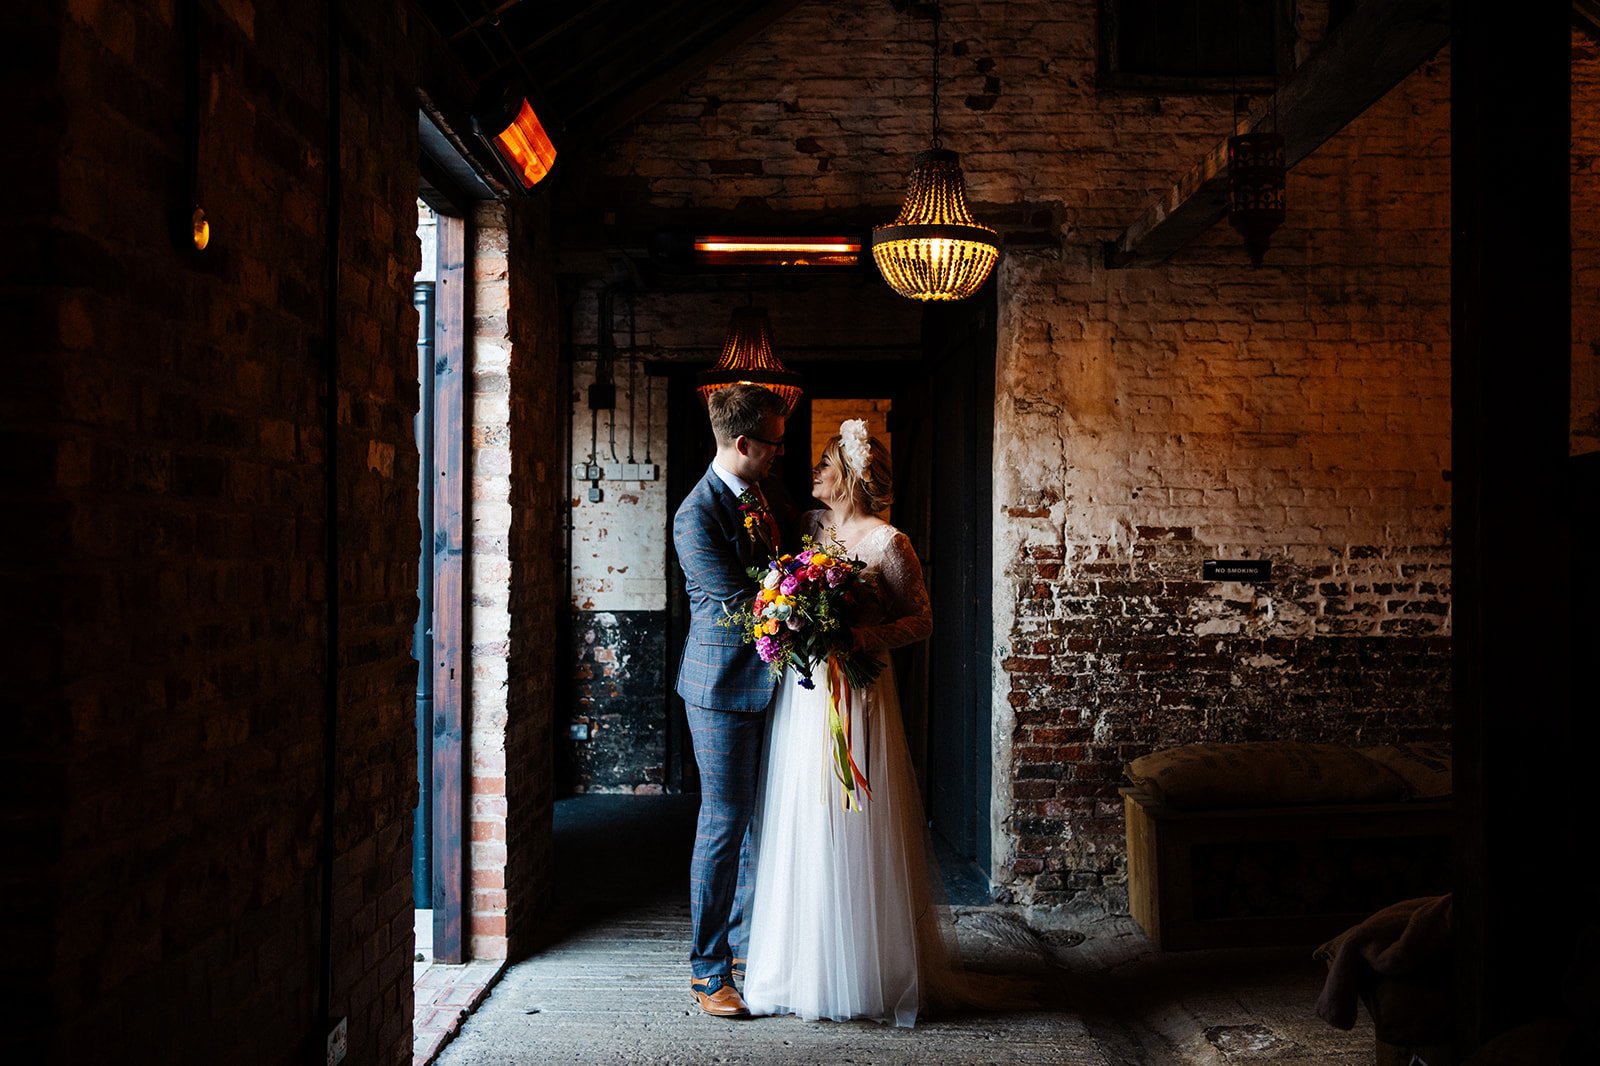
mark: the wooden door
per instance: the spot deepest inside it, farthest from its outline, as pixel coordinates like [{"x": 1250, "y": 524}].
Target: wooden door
[{"x": 957, "y": 420}]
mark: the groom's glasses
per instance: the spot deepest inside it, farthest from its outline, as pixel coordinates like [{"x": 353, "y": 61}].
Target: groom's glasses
[{"x": 769, "y": 443}]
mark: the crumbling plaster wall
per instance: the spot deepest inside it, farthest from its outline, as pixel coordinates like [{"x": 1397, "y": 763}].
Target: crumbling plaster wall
[
  {"x": 1146, "y": 419},
  {"x": 618, "y": 587}
]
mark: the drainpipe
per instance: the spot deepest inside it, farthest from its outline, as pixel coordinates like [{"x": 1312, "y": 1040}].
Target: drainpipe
[{"x": 422, "y": 634}]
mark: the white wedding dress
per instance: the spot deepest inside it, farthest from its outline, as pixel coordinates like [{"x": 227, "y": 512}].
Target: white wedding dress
[{"x": 842, "y": 923}]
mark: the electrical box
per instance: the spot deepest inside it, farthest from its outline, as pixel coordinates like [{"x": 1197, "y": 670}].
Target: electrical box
[{"x": 616, "y": 471}]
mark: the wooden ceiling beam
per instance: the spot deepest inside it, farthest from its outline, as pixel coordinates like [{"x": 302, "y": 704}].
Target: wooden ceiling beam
[
  {"x": 1371, "y": 51},
  {"x": 611, "y": 113},
  {"x": 619, "y": 46},
  {"x": 1586, "y": 16}
]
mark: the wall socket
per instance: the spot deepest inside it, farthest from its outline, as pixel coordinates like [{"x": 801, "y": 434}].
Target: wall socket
[
  {"x": 616, "y": 471},
  {"x": 338, "y": 1041}
]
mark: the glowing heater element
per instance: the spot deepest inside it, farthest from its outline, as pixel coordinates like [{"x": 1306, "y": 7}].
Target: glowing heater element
[
  {"x": 778, "y": 251},
  {"x": 526, "y": 147}
]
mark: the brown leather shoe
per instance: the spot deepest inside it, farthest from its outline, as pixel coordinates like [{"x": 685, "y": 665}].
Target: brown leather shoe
[{"x": 717, "y": 997}]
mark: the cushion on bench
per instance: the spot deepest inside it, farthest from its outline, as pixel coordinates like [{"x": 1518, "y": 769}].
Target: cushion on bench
[
  {"x": 1425, "y": 768},
  {"x": 1264, "y": 774}
]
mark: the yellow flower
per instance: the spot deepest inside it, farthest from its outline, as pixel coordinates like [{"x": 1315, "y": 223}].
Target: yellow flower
[{"x": 820, "y": 560}]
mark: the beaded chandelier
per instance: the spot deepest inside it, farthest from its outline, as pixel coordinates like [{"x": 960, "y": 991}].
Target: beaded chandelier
[
  {"x": 748, "y": 359},
  {"x": 935, "y": 249}
]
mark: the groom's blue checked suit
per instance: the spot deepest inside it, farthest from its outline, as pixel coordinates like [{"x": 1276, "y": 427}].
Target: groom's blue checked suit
[{"x": 726, "y": 688}]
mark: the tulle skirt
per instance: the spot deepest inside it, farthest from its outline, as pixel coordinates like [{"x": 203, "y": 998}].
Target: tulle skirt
[{"x": 842, "y": 922}]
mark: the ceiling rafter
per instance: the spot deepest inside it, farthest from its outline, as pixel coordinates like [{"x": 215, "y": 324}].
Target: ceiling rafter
[
  {"x": 1375, "y": 48},
  {"x": 618, "y": 47},
  {"x": 1586, "y": 16},
  {"x": 623, "y": 108}
]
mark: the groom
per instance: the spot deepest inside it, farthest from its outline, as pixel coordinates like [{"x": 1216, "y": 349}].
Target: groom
[{"x": 724, "y": 525}]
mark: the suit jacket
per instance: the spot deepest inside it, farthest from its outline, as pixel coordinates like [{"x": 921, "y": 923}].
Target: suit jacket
[{"x": 719, "y": 670}]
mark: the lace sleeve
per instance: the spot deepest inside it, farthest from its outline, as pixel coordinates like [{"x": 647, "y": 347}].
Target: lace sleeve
[{"x": 910, "y": 617}]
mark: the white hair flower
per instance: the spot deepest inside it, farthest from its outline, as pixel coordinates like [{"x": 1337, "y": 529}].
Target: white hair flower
[{"x": 853, "y": 445}]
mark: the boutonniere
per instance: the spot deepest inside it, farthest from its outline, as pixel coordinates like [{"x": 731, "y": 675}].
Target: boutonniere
[{"x": 757, "y": 519}]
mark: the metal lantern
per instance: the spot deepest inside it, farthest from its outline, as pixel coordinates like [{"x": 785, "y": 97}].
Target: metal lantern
[
  {"x": 748, "y": 359},
  {"x": 935, "y": 250},
  {"x": 1256, "y": 177}
]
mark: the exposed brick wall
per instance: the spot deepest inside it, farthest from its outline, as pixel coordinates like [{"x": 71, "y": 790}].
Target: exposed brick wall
[
  {"x": 1585, "y": 243},
  {"x": 1146, "y": 419},
  {"x": 536, "y": 554},
  {"x": 1204, "y": 410},
  {"x": 488, "y": 577},
  {"x": 621, "y": 679},
  {"x": 177, "y": 466},
  {"x": 515, "y": 584}
]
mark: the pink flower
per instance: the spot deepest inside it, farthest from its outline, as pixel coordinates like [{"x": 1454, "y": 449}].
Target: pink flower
[
  {"x": 767, "y": 648},
  {"x": 789, "y": 586},
  {"x": 813, "y": 573},
  {"x": 835, "y": 575},
  {"x": 805, "y": 556}
]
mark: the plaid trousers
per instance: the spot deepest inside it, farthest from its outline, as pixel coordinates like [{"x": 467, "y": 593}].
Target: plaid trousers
[{"x": 727, "y": 747}]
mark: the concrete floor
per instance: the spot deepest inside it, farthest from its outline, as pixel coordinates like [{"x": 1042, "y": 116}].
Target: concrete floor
[{"x": 610, "y": 984}]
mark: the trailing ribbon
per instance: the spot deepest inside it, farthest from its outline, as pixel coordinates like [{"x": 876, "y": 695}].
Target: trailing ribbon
[{"x": 845, "y": 769}]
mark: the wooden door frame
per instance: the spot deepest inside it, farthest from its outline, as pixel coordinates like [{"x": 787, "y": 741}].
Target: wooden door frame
[{"x": 452, "y": 312}]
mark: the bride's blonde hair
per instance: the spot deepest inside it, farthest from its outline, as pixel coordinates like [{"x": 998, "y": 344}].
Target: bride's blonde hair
[{"x": 871, "y": 490}]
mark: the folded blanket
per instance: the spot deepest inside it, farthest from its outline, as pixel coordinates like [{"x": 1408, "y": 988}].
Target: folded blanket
[{"x": 1401, "y": 939}]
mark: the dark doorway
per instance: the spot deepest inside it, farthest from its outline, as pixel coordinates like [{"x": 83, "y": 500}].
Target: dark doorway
[
  {"x": 955, "y": 425},
  {"x": 940, "y": 417}
]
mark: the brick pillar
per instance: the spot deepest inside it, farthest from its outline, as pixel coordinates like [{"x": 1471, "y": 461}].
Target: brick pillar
[
  {"x": 514, "y": 572},
  {"x": 489, "y": 578}
]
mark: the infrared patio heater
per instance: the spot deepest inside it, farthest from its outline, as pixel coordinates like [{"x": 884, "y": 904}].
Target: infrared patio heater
[{"x": 505, "y": 120}]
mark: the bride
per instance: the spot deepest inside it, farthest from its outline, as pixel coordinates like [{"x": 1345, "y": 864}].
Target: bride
[{"x": 842, "y": 923}]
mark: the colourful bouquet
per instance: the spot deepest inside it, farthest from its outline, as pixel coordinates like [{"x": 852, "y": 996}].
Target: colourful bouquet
[{"x": 801, "y": 618}]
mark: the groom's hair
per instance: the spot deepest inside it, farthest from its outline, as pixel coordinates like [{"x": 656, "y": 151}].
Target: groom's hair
[{"x": 738, "y": 410}]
